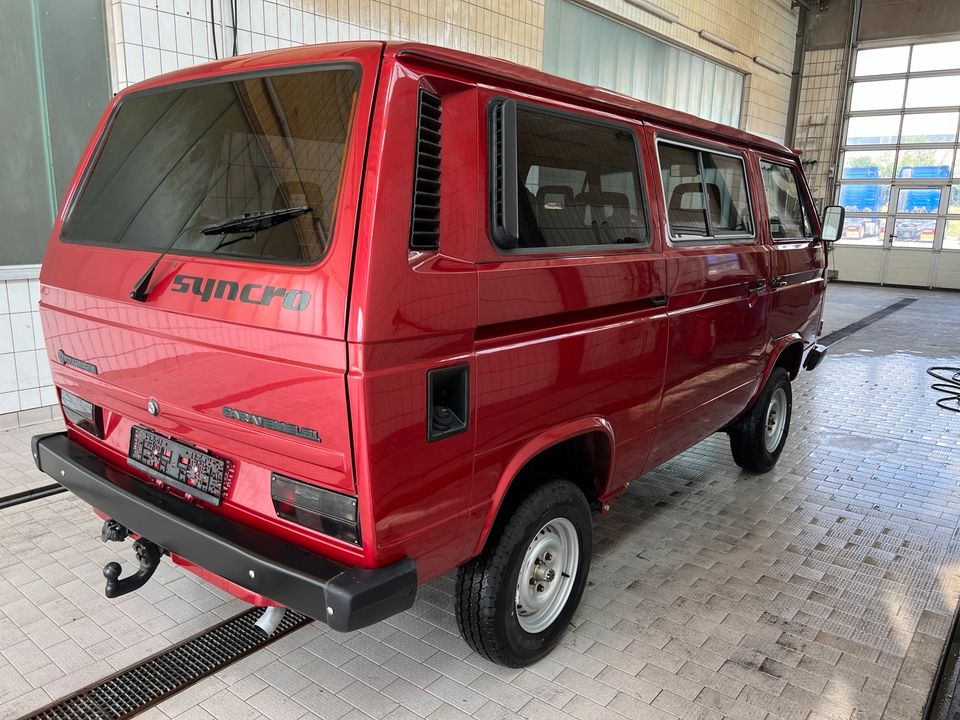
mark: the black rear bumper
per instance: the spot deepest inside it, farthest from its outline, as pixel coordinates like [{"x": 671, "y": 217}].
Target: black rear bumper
[{"x": 344, "y": 597}]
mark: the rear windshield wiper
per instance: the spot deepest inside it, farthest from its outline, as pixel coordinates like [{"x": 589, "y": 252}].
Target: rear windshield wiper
[
  {"x": 255, "y": 221},
  {"x": 246, "y": 222}
]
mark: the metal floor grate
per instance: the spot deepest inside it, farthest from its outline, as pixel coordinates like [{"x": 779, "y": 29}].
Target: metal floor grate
[{"x": 136, "y": 688}]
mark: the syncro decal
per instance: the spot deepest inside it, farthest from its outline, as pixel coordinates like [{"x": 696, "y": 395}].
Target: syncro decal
[
  {"x": 76, "y": 362},
  {"x": 251, "y": 293},
  {"x": 271, "y": 424}
]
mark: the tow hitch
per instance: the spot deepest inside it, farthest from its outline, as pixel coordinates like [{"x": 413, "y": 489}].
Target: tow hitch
[{"x": 148, "y": 554}]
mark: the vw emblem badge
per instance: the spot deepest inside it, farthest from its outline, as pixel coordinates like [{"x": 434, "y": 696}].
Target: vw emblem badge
[{"x": 153, "y": 407}]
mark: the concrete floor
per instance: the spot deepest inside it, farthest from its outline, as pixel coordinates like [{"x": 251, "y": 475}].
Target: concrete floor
[{"x": 823, "y": 589}]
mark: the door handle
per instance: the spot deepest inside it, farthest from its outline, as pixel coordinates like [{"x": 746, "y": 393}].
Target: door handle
[
  {"x": 657, "y": 300},
  {"x": 758, "y": 286},
  {"x": 779, "y": 281}
]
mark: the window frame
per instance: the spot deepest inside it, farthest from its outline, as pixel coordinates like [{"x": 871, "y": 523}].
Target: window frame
[
  {"x": 711, "y": 238},
  {"x": 804, "y": 200},
  {"x": 561, "y": 250},
  {"x": 274, "y": 71}
]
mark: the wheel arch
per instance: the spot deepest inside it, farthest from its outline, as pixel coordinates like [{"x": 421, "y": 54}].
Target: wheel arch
[
  {"x": 583, "y": 448},
  {"x": 787, "y": 352}
]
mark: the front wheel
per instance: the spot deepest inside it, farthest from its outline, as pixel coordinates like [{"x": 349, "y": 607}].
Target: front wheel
[
  {"x": 516, "y": 598},
  {"x": 757, "y": 438}
]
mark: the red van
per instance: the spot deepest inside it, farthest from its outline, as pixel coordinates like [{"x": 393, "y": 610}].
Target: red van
[{"x": 332, "y": 321}]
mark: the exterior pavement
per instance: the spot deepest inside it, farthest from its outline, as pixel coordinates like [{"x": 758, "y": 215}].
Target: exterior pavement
[{"x": 823, "y": 589}]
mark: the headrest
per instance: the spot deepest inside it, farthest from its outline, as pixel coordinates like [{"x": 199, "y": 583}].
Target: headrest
[
  {"x": 676, "y": 198},
  {"x": 563, "y": 190}
]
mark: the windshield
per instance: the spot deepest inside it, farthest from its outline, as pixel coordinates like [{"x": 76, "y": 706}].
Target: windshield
[{"x": 181, "y": 160}]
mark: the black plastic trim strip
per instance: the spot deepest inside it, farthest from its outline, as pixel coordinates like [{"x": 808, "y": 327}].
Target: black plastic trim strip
[
  {"x": 848, "y": 330},
  {"x": 26, "y": 496}
]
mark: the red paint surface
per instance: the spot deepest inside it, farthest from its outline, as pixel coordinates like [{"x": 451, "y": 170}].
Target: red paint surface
[{"x": 558, "y": 344}]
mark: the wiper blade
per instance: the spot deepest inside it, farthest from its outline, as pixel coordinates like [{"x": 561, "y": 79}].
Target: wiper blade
[{"x": 256, "y": 221}]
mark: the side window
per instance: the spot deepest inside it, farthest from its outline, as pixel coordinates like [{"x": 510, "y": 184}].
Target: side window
[
  {"x": 788, "y": 217},
  {"x": 706, "y": 193},
  {"x": 578, "y": 183},
  {"x": 731, "y": 213},
  {"x": 683, "y": 190}
]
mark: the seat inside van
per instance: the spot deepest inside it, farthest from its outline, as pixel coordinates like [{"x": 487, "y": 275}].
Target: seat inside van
[{"x": 687, "y": 211}]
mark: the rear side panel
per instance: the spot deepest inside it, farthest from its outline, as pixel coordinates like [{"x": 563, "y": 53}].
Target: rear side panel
[
  {"x": 411, "y": 312},
  {"x": 224, "y": 346}
]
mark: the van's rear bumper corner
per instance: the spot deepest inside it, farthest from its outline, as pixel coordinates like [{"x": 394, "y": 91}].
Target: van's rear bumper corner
[
  {"x": 814, "y": 356},
  {"x": 346, "y": 598}
]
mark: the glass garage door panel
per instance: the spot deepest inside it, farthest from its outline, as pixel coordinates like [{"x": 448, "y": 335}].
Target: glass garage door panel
[
  {"x": 873, "y": 130},
  {"x": 951, "y": 235},
  {"x": 927, "y": 92},
  {"x": 927, "y": 128},
  {"x": 935, "y": 56},
  {"x": 914, "y": 232},
  {"x": 868, "y": 230},
  {"x": 919, "y": 200}
]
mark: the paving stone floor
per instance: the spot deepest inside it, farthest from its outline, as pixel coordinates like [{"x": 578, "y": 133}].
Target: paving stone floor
[{"x": 823, "y": 589}]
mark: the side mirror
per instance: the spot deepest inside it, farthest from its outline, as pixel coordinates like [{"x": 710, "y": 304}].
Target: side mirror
[{"x": 832, "y": 225}]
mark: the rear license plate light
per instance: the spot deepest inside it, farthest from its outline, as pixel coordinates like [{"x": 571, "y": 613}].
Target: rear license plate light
[
  {"x": 325, "y": 511},
  {"x": 196, "y": 472},
  {"x": 82, "y": 413}
]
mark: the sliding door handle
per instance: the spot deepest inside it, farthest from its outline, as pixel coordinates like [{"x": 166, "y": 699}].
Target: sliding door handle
[
  {"x": 779, "y": 281},
  {"x": 657, "y": 300}
]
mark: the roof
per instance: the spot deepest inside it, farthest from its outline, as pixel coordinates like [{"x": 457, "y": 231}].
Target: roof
[{"x": 476, "y": 67}]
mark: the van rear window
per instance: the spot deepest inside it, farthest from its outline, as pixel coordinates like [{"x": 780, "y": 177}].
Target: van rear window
[{"x": 196, "y": 163}]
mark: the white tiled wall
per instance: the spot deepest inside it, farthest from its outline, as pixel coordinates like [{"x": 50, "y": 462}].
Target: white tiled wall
[
  {"x": 148, "y": 37},
  {"x": 25, "y": 384},
  {"x": 153, "y": 36}
]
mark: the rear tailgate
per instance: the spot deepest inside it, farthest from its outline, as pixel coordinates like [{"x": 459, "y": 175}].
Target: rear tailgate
[{"x": 243, "y": 354}]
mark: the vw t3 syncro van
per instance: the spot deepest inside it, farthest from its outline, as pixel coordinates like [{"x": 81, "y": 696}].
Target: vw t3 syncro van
[{"x": 332, "y": 321}]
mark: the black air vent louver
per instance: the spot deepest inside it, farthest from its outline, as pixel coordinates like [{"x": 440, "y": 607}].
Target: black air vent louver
[
  {"x": 498, "y": 149},
  {"x": 425, "y": 223}
]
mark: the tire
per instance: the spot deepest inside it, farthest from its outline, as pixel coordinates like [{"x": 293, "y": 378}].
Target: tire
[
  {"x": 488, "y": 593},
  {"x": 755, "y": 446}
]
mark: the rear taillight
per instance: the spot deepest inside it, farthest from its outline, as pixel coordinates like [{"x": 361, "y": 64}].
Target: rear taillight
[
  {"x": 82, "y": 413},
  {"x": 325, "y": 511}
]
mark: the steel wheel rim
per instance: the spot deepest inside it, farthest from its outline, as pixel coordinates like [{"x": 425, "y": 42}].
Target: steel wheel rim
[
  {"x": 547, "y": 573},
  {"x": 776, "y": 420}
]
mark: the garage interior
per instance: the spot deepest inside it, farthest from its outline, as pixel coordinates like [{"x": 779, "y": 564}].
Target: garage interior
[{"x": 826, "y": 588}]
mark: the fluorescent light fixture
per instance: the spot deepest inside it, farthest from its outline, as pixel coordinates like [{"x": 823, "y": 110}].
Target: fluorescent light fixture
[
  {"x": 717, "y": 40},
  {"x": 654, "y": 10},
  {"x": 767, "y": 64}
]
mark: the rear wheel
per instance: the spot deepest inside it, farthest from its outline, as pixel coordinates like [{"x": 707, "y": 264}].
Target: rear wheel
[
  {"x": 757, "y": 438},
  {"x": 516, "y": 598}
]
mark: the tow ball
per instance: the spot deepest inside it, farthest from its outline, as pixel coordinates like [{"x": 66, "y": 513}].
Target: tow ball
[{"x": 148, "y": 554}]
